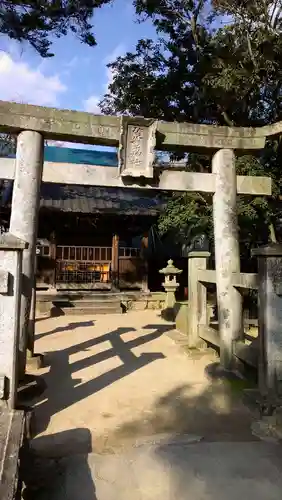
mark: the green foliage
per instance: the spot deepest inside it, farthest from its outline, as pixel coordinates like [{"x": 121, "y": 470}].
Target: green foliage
[
  {"x": 7, "y": 144},
  {"x": 186, "y": 215},
  {"x": 37, "y": 21},
  {"x": 207, "y": 68}
]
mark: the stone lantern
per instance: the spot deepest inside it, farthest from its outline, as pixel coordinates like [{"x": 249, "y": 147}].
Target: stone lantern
[{"x": 170, "y": 285}]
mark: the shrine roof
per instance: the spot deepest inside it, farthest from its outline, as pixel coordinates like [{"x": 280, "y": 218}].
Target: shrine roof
[{"x": 90, "y": 199}]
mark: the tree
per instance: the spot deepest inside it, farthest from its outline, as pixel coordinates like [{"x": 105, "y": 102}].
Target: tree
[
  {"x": 36, "y": 21},
  {"x": 199, "y": 72},
  {"x": 7, "y": 147},
  {"x": 7, "y": 144}
]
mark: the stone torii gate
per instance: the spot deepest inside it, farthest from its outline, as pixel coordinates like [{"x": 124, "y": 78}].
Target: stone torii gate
[{"x": 137, "y": 139}]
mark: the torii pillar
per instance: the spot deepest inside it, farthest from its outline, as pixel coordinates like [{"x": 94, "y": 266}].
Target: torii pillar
[
  {"x": 227, "y": 254},
  {"x": 24, "y": 223}
]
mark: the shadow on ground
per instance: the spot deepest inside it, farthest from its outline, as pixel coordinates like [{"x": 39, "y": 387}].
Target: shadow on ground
[
  {"x": 65, "y": 328},
  {"x": 194, "y": 442},
  {"x": 62, "y": 390},
  {"x": 163, "y": 455},
  {"x": 216, "y": 413},
  {"x": 49, "y": 478}
]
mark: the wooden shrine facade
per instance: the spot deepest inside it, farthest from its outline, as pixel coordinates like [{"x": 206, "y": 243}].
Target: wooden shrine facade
[
  {"x": 90, "y": 267},
  {"x": 91, "y": 237}
]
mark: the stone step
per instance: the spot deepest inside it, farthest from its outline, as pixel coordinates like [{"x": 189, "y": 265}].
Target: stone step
[
  {"x": 93, "y": 309},
  {"x": 93, "y": 301},
  {"x": 87, "y": 303}
]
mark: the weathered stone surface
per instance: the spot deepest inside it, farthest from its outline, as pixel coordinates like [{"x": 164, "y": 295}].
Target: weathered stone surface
[
  {"x": 2, "y": 386},
  {"x": 60, "y": 124},
  {"x": 182, "y": 320},
  {"x": 170, "y": 285},
  {"x": 197, "y": 294},
  {"x": 270, "y": 320},
  {"x": 274, "y": 129},
  {"x": 24, "y": 219},
  {"x": 227, "y": 255},
  {"x": 240, "y": 280},
  {"x": 43, "y": 307},
  {"x": 137, "y": 147},
  {"x": 253, "y": 184},
  {"x": 8, "y": 314},
  {"x": 139, "y": 305},
  {"x": 105, "y": 130},
  {"x": 155, "y": 304},
  {"x": 209, "y": 136},
  {"x": 11, "y": 440},
  {"x": 34, "y": 362},
  {"x": 171, "y": 180},
  {"x": 10, "y": 242},
  {"x": 10, "y": 291},
  {"x": 4, "y": 281}
]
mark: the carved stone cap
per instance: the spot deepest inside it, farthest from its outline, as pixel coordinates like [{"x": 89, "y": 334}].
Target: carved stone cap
[
  {"x": 10, "y": 242},
  {"x": 170, "y": 269},
  {"x": 271, "y": 250},
  {"x": 198, "y": 253}
]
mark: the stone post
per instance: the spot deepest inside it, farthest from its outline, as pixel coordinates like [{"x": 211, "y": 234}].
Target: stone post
[
  {"x": 227, "y": 254},
  {"x": 270, "y": 321},
  {"x": 24, "y": 221},
  {"x": 197, "y": 295},
  {"x": 11, "y": 250}
]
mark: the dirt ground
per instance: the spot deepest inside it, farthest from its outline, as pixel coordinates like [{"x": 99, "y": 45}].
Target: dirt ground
[{"x": 113, "y": 380}]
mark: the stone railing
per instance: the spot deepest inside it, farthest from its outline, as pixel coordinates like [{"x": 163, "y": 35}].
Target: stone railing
[
  {"x": 265, "y": 353},
  {"x": 11, "y": 253},
  {"x": 199, "y": 318},
  {"x": 12, "y": 421},
  {"x": 12, "y": 446}
]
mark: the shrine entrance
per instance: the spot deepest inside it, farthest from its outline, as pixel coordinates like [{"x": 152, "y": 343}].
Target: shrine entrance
[{"x": 137, "y": 139}]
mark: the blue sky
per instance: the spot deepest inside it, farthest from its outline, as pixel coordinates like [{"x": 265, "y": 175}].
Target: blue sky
[{"x": 76, "y": 77}]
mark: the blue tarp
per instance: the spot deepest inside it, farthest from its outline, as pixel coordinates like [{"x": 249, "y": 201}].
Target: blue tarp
[
  {"x": 79, "y": 156},
  {"x": 68, "y": 155},
  {"x": 82, "y": 156}
]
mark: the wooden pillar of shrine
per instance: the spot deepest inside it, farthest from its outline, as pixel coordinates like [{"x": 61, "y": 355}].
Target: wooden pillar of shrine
[
  {"x": 144, "y": 251},
  {"x": 53, "y": 254},
  {"x": 115, "y": 266}
]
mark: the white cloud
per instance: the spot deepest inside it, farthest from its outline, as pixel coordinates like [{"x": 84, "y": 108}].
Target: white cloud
[
  {"x": 21, "y": 83},
  {"x": 118, "y": 51},
  {"x": 72, "y": 63},
  {"x": 91, "y": 103}
]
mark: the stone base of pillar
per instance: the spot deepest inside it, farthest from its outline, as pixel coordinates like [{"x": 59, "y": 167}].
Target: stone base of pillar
[
  {"x": 168, "y": 314},
  {"x": 34, "y": 361},
  {"x": 115, "y": 287}
]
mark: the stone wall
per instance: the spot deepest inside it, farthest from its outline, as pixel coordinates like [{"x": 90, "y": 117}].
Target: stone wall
[{"x": 142, "y": 302}]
